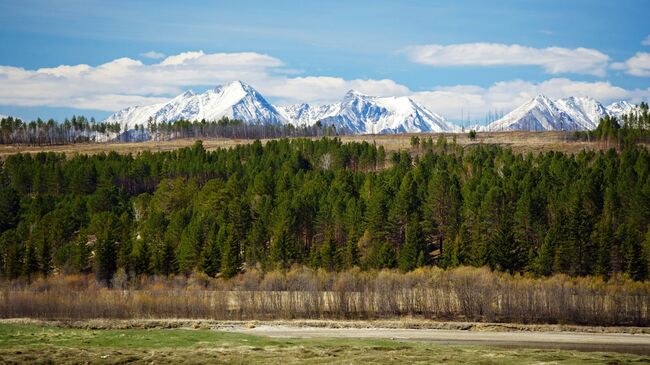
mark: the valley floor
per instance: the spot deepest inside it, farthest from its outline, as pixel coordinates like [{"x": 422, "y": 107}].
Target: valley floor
[
  {"x": 40, "y": 343},
  {"x": 519, "y": 141}
]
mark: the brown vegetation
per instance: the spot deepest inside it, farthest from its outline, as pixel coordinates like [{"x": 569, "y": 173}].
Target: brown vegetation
[
  {"x": 520, "y": 141},
  {"x": 465, "y": 293}
]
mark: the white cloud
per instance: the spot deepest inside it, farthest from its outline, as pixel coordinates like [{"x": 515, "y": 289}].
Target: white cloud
[
  {"x": 323, "y": 89},
  {"x": 125, "y": 82},
  {"x": 504, "y": 96},
  {"x": 554, "y": 60},
  {"x": 153, "y": 55},
  {"x": 646, "y": 41},
  {"x": 637, "y": 65}
]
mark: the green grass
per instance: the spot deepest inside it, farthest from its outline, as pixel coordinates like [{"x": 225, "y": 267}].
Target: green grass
[{"x": 46, "y": 345}]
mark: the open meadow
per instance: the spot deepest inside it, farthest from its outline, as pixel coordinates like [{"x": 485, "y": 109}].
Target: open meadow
[
  {"x": 519, "y": 141},
  {"x": 45, "y": 344}
]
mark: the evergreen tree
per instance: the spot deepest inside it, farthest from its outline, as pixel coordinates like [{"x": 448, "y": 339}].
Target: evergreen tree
[
  {"x": 230, "y": 257},
  {"x": 105, "y": 226},
  {"x": 413, "y": 253},
  {"x": 211, "y": 256},
  {"x": 9, "y": 206}
]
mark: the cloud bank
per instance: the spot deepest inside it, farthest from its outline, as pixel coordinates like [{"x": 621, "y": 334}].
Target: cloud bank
[
  {"x": 554, "y": 60},
  {"x": 126, "y": 82},
  {"x": 637, "y": 65}
]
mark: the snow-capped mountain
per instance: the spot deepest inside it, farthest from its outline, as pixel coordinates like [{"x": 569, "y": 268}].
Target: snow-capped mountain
[
  {"x": 619, "y": 108},
  {"x": 356, "y": 113},
  {"x": 359, "y": 113},
  {"x": 538, "y": 114},
  {"x": 236, "y": 100},
  {"x": 585, "y": 111},
  {"x": 568, "y": 114},
  {"x": 307, "y": 115}
]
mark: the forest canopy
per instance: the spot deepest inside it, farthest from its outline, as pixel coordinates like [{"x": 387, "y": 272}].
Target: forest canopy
[{"x": 327, "y": 205}]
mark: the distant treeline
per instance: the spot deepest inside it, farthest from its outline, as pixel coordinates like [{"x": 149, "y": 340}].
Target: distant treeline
[
  {"x": 81, "y": 130},
  {"x": 632, "y": 128},
  {"x": 39, "y": 132},
  {"x": 233, "y": 128},
  {"x": 325, "y": 204}
]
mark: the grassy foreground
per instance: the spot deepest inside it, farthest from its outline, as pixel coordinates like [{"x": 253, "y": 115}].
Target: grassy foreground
[{"x": 46, "y": 345}]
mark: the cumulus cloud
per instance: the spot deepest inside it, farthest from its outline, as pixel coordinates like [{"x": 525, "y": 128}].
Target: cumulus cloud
[
  {"x": 153, "y": 55},
  {"x": 646, "y": 41},
  {"x": 554, "y": 60},
  {"x": 637, "y": 65},
  {"x": 502, "y": 97},
  {"x": 125, "y": 82},
  {"x": 323, "y": 89}
]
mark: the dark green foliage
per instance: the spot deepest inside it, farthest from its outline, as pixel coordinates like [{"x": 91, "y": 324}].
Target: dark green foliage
[
  {"x": 105, "y": 227},
  {"x": 326, "y": 204},
  {"x": 414, "y": 252},
  {"x": 9, "y": 206}
]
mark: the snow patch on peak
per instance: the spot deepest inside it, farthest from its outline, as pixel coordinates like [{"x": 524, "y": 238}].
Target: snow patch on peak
[
  {"x": 537, "y": 114},
  {"x": 236, "y": 100},
  {"x": 585, "y": 111},
  {"x": 571, "y": 113},
  {"x": 620, "y": 107}
]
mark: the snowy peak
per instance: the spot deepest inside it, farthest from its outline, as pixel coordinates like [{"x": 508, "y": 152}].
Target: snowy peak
[
  {"x": 619, "y": 108},
  {"x": 585, "y": 111},
  {"x": 236, "y": 100},
  {"x": 568, "y": 114},
  {"x": 360, "y": 113},
  {"x": 307, "y": 115},
  {"x": 537, "y": 114}
]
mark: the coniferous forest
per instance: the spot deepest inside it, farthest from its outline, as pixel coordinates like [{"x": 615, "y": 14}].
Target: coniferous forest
[{"x": 328, "y": 205}]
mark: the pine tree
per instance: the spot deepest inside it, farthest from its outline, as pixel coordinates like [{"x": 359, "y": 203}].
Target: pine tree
[
  {"x": 413, "y": 253},
  {"x": 189, "y": 247},
  {"x": 31, "y": 265},
  {"x": 351, "y": 252},
  {"x": 9, "y": 206},
  {"x": 211, "y": 256},
  {"x": 105, "y": 226},
  {"x": 579, "y": 234},
  {"x": 443, "y": 206},
  {"x": 142, "y": 258},
  {"x": 505, "y": 253},
  {"x": 284, "y": 250},
  {"x": 11, "y": 255},
  {"x": 403, "y": 208},
  {"x": 230, "y": 257}
]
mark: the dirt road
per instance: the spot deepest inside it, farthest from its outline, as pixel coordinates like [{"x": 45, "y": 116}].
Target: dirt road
[{"x": 607, "y": 342}]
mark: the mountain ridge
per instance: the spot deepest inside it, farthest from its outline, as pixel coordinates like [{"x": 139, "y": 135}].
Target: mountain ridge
[
  {"x": 359, "y": 113},
  {"x": 572, "y": 113}
]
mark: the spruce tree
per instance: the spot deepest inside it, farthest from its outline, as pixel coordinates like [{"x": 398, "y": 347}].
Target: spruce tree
[
  {"x": 211, "y": 256},
  {"x": 230, "y": 252}
]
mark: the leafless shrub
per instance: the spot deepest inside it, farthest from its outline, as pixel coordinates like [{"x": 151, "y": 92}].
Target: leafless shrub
[{"x": 464, "y": 293}]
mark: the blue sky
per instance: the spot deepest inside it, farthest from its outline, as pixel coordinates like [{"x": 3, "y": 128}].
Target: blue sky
[{"x": 448, "y": 55}]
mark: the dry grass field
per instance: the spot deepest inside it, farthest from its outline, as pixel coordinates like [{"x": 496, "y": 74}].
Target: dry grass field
[{"x": 519, "y": 141}]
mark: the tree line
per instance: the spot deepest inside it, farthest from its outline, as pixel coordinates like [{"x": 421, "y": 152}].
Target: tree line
[
  {"x": 632, "y": 128},
  {"x": 79, "y": 129}
]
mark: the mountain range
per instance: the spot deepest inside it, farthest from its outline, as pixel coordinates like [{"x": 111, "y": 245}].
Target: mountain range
[
  {"x": 568, "y": 114},
  {"x": 362, "y": 114}
]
